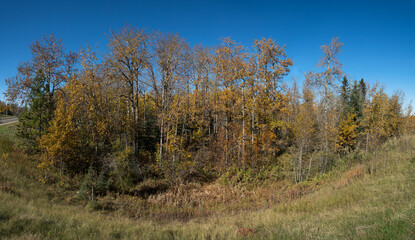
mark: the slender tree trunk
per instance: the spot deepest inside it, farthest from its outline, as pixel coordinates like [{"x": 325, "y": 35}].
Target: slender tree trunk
[
  {"x": 253, "y": 124},
  {"x": 300, "y": 159},
  {"x": 295, "y": 170},
  {"x": 226, "y": 139},
  {"x": 243, "y": 128},
  {"x": 309, "y": 166},
  {"x": 161, "y": 140}
]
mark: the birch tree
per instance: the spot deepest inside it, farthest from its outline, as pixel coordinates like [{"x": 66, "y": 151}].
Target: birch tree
[{"x": 326, "y": 83}]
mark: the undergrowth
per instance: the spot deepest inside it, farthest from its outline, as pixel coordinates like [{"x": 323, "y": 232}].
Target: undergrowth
[{"x": 365, "y": 196}]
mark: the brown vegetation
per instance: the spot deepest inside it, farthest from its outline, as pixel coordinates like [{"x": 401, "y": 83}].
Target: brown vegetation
[{"x": 159, "y": 129}]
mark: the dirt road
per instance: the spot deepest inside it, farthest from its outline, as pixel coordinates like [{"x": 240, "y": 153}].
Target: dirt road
[{"x": 4, "y": 121}]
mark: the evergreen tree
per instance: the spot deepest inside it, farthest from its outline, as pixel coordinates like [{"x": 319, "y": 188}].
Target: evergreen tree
[
  {"x": 363, "y": 89},
  {"x": 345, "y": 95},
  {"x": 356, "y": 100},
  {"x": 34, "y": 121}
]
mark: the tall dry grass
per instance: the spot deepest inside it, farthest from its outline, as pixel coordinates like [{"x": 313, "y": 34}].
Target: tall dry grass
[{"x": 372, "y": 199}]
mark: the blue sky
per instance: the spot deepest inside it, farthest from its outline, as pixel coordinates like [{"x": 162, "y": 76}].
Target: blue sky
[{"x": 378, "y": 36}]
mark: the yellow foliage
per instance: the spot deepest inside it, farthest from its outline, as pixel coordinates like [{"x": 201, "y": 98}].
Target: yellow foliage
[{"x": 347, "y": 132}]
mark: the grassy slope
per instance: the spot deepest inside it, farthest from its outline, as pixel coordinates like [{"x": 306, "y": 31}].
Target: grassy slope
[
  {"x": 8, "y": 130},
  {"x": 378, "y": 206}
]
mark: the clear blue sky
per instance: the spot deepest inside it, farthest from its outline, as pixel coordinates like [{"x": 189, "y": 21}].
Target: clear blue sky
[{"x": 378, "y": 36}]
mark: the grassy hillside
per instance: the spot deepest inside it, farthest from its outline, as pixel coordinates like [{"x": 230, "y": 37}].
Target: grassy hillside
[{"x": 370, "y": 200}]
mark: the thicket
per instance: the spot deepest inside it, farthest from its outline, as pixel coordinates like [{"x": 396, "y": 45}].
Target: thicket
[{"x": 153, "y": 107}]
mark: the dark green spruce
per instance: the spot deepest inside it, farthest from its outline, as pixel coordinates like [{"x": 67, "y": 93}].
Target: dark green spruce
[{"x": 34, "y": 120}]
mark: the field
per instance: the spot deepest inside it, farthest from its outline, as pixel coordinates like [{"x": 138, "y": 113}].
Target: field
[{"x": 370, "y": 200}]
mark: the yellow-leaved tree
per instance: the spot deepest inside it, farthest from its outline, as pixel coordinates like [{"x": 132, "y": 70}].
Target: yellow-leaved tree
[
  {"x": 79, "y": 132},
  {"x": 347, "y": 132}
]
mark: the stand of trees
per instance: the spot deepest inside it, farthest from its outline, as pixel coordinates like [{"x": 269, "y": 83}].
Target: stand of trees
[
  {"x": 10, "y": 109},
  {"x": 154, "y": 106}
]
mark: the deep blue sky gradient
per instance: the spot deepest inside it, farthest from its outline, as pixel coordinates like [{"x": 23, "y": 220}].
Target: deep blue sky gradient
[{"x": 378, "y": 36}]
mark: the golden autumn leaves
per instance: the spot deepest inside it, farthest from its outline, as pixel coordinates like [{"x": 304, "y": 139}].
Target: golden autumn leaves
[{"x": 157, "y": 105}]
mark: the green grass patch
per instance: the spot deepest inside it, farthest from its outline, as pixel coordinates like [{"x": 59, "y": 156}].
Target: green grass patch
[{"x": 9, "y": 130}]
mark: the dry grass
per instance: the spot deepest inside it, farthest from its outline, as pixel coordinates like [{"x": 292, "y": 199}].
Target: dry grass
[
  {"x": 351, "y": 175},
  {"x": 371, "y": 200}
]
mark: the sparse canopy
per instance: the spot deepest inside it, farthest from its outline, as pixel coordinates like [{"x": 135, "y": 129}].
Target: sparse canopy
[{"x": 48, "y": 56}]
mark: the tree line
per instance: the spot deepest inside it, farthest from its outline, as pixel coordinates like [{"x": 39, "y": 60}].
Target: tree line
[
  {"x": 9, "y": 109},
  {"x": 152, "y": 106}
]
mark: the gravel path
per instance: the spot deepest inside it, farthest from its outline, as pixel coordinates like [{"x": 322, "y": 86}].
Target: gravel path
[{"x": 4, "y": 121}]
